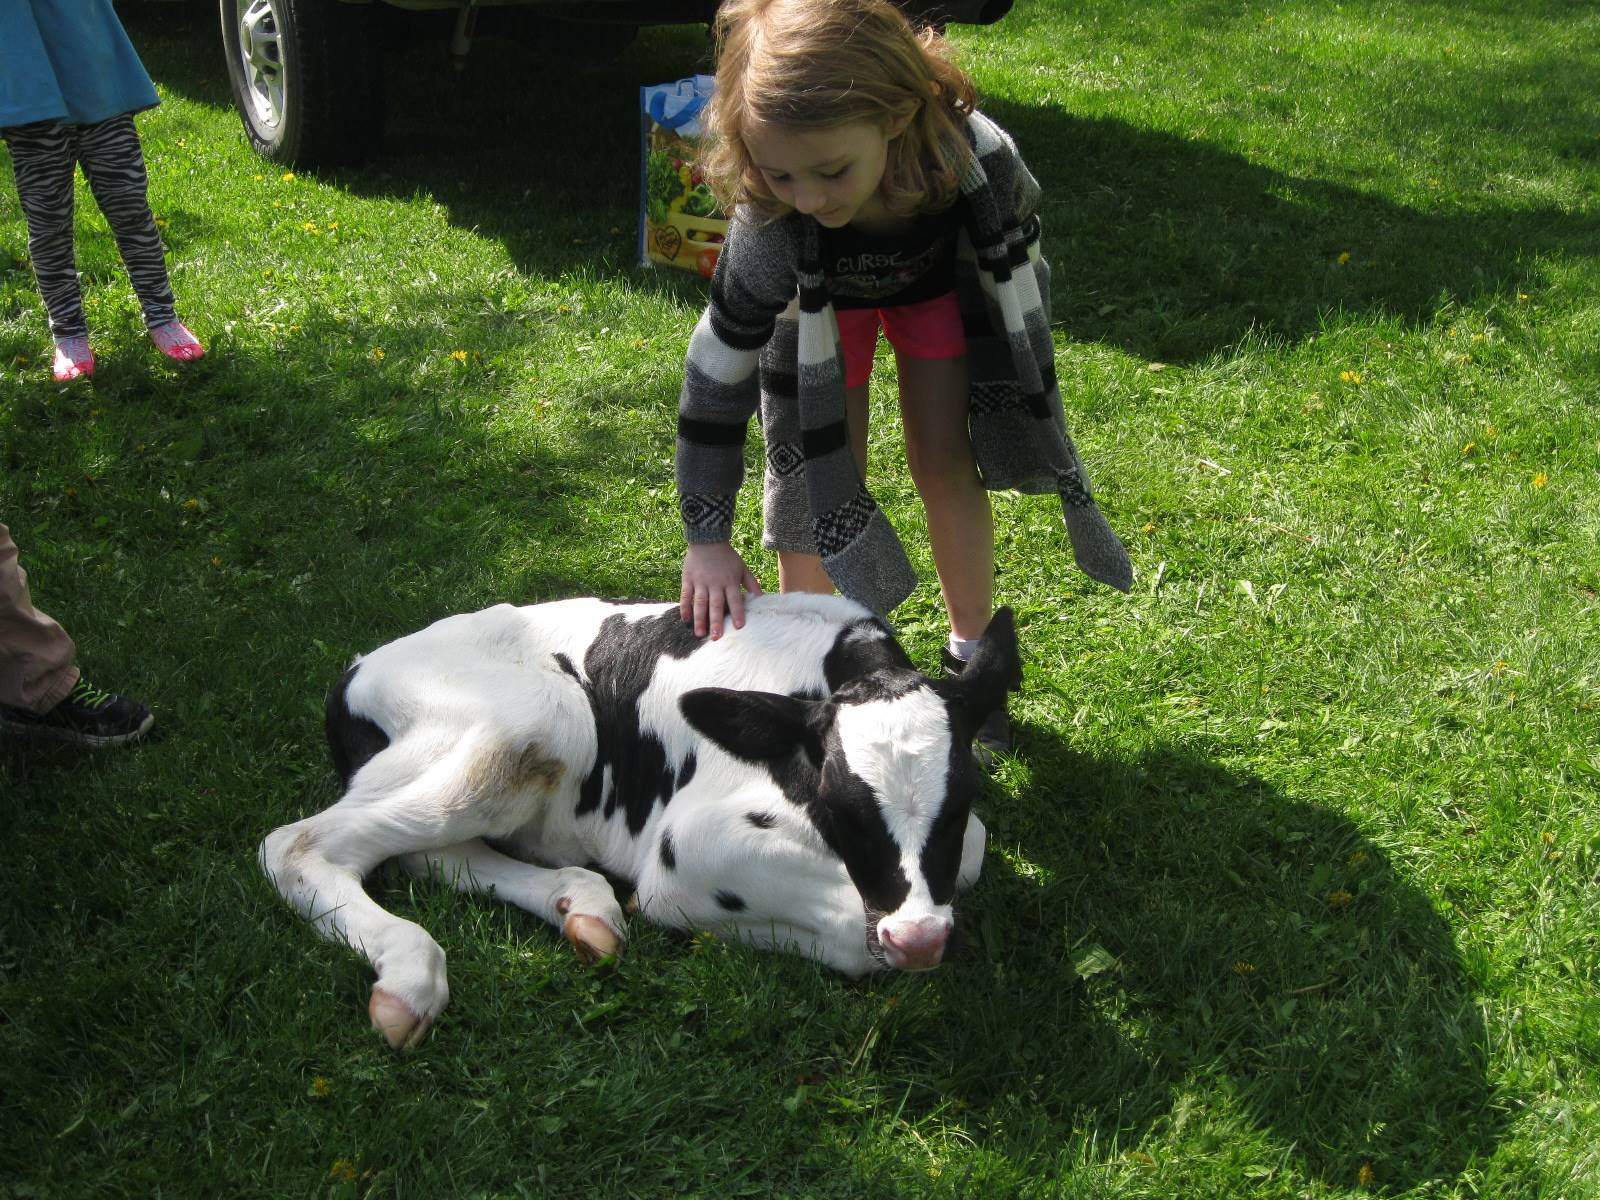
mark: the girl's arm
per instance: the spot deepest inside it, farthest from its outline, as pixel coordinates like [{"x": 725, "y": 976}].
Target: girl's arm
[{"x": 754, "y": 281}]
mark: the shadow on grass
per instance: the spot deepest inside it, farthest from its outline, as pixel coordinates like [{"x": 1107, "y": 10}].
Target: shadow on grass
[
  {"x": 1269, "y": 955},
  {"x": 1168, "y": 248}
]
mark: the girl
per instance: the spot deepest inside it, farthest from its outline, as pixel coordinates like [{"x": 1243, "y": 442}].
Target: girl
[
  {"x": 867, "y": 191},
  {"x": 69, "y": 84}
]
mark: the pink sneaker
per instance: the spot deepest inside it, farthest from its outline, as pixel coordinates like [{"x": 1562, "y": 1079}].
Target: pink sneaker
[
  {"x": 175, "y": 341},
  {"x": 74, "y": 359}
]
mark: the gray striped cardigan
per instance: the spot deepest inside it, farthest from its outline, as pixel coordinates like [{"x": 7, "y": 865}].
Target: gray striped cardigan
[{"x": 815, "y": 500}]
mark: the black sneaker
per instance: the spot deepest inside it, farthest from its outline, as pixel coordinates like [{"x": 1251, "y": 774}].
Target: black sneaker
[
  {"x": 88, "y": 716},
  {"x": 994, "y": 735}
]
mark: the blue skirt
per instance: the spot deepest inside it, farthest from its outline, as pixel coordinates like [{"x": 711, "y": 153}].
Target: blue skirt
[{"x": 68, "y": 60}]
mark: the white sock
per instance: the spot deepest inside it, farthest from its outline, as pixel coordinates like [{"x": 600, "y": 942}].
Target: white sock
[{"x": 963, "y": 648}]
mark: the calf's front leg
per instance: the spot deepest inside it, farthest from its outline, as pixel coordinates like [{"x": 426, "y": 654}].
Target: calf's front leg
[{"x": 574, "y": 899}]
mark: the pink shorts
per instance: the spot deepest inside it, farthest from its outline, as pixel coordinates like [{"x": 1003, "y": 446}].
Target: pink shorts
[{"x": 931, "y": 329}]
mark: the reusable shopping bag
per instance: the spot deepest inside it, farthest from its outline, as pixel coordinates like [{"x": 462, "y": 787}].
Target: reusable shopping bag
[{"x": 680, "y": 224}]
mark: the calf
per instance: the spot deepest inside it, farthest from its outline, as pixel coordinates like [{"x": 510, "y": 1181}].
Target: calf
[{"x": 796, "y": 784}]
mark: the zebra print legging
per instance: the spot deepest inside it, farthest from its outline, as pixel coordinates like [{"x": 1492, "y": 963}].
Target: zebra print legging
[{"x": 43, "y": 157}]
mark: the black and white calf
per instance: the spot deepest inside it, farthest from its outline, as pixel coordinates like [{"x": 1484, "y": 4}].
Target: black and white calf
[{"x": 796, "y": 784}]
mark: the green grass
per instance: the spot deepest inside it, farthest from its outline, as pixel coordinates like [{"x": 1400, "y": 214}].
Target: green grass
[{"x": 1292, "y": 885}]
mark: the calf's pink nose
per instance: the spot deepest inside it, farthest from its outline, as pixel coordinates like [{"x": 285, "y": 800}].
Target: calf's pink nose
[{"x": 914, "y": 945}]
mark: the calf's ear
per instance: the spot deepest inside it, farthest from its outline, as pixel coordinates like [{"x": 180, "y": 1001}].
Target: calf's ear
[
  {"x": 754, "y": 726},
  {"x": 994, "y": 669}
]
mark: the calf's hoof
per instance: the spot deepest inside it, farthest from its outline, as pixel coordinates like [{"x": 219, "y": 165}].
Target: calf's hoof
[
  {"x": 393, "y": 1018},
  {"x": 591, "y": 937}
]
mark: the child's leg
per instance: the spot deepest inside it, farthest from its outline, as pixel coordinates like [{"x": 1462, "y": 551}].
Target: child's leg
[
  {"x": 803, "y": 572},
  {"x": 933, "y": 409},
  {"x": 113, "y": 161},
  {"x": 43, "y": 158}
]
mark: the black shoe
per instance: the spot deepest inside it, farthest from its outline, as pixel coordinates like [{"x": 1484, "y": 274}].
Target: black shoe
[
  {"x": 994, "y": 735},
  {"x": 88, "y": 716}
]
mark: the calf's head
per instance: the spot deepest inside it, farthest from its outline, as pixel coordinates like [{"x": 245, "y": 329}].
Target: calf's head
[{"x": 884, "y": 770}]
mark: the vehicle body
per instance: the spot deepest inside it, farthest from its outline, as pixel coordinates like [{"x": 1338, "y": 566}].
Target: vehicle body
[{"x": 308, "y": 75}]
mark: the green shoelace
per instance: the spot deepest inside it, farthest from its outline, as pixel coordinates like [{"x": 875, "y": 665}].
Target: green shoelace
[{"x": 88, "y": 696}]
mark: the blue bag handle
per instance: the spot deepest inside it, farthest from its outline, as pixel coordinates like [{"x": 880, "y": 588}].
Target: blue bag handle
[
  {"x": 689, "y": 95},
  {"x": 657, "y": 108}
]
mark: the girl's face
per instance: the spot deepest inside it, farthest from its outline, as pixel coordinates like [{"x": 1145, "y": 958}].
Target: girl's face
[{"x": 831, "y": 174}]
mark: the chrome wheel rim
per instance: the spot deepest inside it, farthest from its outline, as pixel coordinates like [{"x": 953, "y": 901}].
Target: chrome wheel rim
[{"x": 261, "y": 57}]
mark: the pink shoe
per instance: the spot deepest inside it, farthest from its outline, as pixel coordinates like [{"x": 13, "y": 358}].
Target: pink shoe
[
  {"x": 175, "y": 341},
  {"x": 74, "y": 359}
]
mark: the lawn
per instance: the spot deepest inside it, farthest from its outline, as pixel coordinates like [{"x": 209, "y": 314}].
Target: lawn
[{"x": 1293, "y": 884}]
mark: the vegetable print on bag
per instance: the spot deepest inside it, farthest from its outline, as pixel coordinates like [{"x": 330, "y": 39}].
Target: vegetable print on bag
[{"x": 680, "y": 224}]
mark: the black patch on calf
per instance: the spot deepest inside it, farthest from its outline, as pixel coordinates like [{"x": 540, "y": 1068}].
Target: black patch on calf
[
  {"x": 852, "y": 825},
  {"x": 941, "y": 853},
  {"x": 761, "y": 820},
  {"x": 669, "y": 858},
  {"x": 619, "y": 665},
  {"x": 861, "y": 648},
  {"x": 728, "y": 902},
  {"x": 354, "y": 741}
]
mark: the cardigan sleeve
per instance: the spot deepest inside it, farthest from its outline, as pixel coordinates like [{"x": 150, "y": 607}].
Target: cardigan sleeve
[{"x": 753, "y": 283}]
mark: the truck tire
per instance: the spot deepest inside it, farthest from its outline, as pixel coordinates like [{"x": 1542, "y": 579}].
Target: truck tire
[{"x": 307, "y": 77}]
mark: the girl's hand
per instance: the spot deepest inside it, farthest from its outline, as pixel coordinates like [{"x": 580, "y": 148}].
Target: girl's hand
[{"x": 715, "y": 580}]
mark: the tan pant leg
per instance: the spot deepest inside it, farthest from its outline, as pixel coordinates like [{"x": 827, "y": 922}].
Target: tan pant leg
[{"x": 37, "y": 658}]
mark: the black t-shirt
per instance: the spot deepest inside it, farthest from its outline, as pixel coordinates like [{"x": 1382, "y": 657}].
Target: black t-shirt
[{"x": 866, "y": 270}]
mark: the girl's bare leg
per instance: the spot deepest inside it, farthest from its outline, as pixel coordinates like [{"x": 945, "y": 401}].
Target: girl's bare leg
[{"x": 933, "y": 409}]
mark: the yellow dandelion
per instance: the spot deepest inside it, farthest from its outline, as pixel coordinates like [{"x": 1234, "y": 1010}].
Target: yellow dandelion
[
  {"x": 216, "y": 561},
  {"x": 321, "y": 1086},
  {"x": 191, "y": 505},
  {"x": 1244, "y": 968},
  {"x": 459, "y": 355},
  {"x": 258, "y": 178},
  {"x": 342, "y": 1171},
  {"x": 1540, "y": 479},
  {"x": 564, "y": 309},
  {"x": 1522, "y": 297},
  {"x": 1344, "y": 258},
  {"x": 1339, "y": 900},
  {"x": 1366, "y": 1177},
  {"x": 1353, "y": 377},
  {"x": 638, "y": 343},
  {"x": 310, "y": 227},
  {"x": 161, "y": 222},
  {"x": 1469, "y": 449},
  {"x": 1148, "y": 527},
  {"x": 377, "y": 353},
  {"x": 287, "y": 177}
]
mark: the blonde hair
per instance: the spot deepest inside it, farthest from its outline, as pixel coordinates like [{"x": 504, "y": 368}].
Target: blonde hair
[{"x": 818, "y": 64}]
